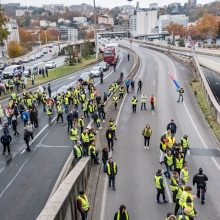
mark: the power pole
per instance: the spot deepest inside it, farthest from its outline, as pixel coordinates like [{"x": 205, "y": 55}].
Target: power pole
[{"x": 95, "y": 32}]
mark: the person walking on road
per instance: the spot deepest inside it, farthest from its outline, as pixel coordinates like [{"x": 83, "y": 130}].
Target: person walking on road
[
  {"x": 128, "y": 57},
  {"x": 185, "y": 145},
  {"x": 121, "y": 92},
  {"x": 6, "y": 140},
  {"x": 14, "y": 125},
  {"x": 83, "y": 204},
  {"x": 172, "y": 126},
  {"x": 134, "y": 102},
  {"x": 147, "y": 132},
  {"x": 168, "y": 161},
  {"x": 110, "y": 139},
  {"x": 152, "y": 102},
  {"x": 139, "y": 86},
  {"x": 122, "y": 214},
  {"x": 132, "y": 85},
  {"x": 115, "y": 66},
  {"x": 105, "y": 159},
  {"x": 101, "y": 77},
  {"x": 200, "y": 180},
  {"x": 49, "y": 90},
  {"x": 112, "y": 170},
  {"x": 115, "y": 101},
  {"x": 181, "y": 92},
  {"x": 160, "y": 186},
  {"x": 143, "y": 101},
  {"x": 27, "y": 137},
  {"x": 184, "y": 174}
]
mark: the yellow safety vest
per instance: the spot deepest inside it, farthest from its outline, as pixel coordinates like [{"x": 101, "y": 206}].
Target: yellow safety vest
[
  {"x": 173, "y": 184},
  {"x": 164, "y": 146},
  {"x": 185, "y": 143},
  {"x": 85, "y": 202},
  {"x": 143, "y": 99},
  {"x": 157, "y": 181},
  {"x": 134, "y": 101},
  {"x": 171, "y": 141},
  {"x": 78, "y": 151},
  {"x": 81, "y": 122},
  {"x": 73, "y": 134},
  {"x": 183, "y": 217},
  {"x": 59, "y": 109},
  {"x": 119, "y": 215},
  {"x": 184, "y": 197},
  {"x": 92, "y": 150},
  {"x": 29, "y": 102},
  {"x": 179, "y": 163},
  {"x": 115, "y": 99},
  {"x": 49, "y": 111},
  {"x": 185, "y": 175},
  {"x": 179, "y": 192},
  {"x": 169, "y": 159},
  {"x": 66, "y": 101},
  {"x": 85, "y": 137},
  {"x": 109, "y": 169}
]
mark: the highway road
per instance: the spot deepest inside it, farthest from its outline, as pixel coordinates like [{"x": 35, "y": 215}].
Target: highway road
[
  {"x": 27, "y": 179},
  {"x": 137, "y": 166}
]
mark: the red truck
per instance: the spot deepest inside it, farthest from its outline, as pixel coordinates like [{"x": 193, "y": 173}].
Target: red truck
[{"x": 111, "y": 54}]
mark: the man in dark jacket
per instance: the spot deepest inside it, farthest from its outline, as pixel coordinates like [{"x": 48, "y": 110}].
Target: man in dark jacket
[
  {"x": 122, "y": 214},
  {"x": 105, "y": 158},
  {"x": 112, "y": 171},
  {"x": 27, "y": 137},
  {"x": 172, "y": 126},
  {"x": 200, "y": 180},
  {"x": 6, "y": 140},
  {"x": 69, "y": 121},
  {"x": 110, "y": 138},
  {"x": 49, "y": 90}
]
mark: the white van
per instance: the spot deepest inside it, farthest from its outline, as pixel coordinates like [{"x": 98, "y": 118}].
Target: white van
[{"x": 11, "y": 71}]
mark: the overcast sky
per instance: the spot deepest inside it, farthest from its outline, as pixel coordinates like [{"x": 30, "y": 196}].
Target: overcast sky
[{"x": 104, "y": 3}]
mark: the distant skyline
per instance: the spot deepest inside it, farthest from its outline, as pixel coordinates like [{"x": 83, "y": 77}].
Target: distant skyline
[{"x": 103, "y": 3}]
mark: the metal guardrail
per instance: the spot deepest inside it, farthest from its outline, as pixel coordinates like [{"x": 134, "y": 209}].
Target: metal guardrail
[{"x": 62, "y": 204}]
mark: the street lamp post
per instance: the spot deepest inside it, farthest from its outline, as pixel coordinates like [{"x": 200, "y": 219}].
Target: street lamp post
[{"x": 95, "y": 32}]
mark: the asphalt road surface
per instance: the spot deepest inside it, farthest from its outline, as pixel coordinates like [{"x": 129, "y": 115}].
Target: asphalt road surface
[
  {"x": 137, "y": 166},
  {"x": 27, "y": 179}
]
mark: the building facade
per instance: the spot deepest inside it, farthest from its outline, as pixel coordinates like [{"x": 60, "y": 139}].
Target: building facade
[
  {"x": 12, "y": 27},
  {"x": 73, "y": 34},
  {"x": 105, "y": 19}
]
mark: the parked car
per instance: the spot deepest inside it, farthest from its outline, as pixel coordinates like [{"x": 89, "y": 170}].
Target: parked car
[
  {"x": 25, "y": 60},
  {"x": 104, "y": 65},
  {"x": 32, "y": 58},
  {"x": 3, "y": 65},
  {"x": 16, "y": 62},
  {"x": 50, "y": 65},
  {"x": 11, "y": 71},
  {"x": 96, "y": 71},
  {"x": 33, "y": 70},
  {"x": 44, "y": 50},
  {"x": 38, "y": 55}
]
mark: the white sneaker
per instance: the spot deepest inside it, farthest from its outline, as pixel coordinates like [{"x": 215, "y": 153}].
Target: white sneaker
[
  {"x": 103, "y": 121},
  {"x": 145, "y": 147},
  {"x": 148, "y": 148}
]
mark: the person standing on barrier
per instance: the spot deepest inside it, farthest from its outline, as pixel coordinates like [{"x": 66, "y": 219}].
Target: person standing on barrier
[{"x": 83, "y": 204}]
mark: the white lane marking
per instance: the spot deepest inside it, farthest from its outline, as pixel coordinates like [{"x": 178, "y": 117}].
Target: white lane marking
[
  {"x": 193, "y": 123},
  {"x": 12, "y": 180},
  {"x": 72, "y": 77},
  {"x": 167, "y": 188}
]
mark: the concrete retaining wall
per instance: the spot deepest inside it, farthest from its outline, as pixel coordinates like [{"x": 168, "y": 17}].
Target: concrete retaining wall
[{"x": 62, "y": 204}]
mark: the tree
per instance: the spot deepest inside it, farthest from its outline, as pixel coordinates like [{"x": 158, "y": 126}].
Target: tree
[
  {"x": 3, "y": 30},
  {"x": 87, "y": 49},
  {"x": 176, "y": 29},
  {"x": 14, "y": 49}
]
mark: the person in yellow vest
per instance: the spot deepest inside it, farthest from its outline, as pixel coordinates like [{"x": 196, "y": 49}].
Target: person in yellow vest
[
  {"x": 92, "y": 135},
  {"x": 163, "y": 148},
  {"x": 184, "y": 195},
  {"x": 134, "y": 102},
  {"x": 168, "y": 161},
  {"x": 59, "y": 112},
  {"x": 184, "y": 174},
  {"x": 179, "y": 192},
  {"x": 93, "y": 153},
  {"x": 147, "y": 132},
  {"x": 85, "y": 141},
  {"x": 112, "y": 170},
  {"x": 122, "y": 214},
  {"x": 115, "y": 101},
  {"x": 189, "y": 209},
  {"x": 143, "y": 101},
  {"x": 174, "y": 181},
  {"x": 74, "y": 135},
  {"x": 178, "y": 163},
  {"x": 113, "y": 126},
  {"x": 77, "y": 150},
  {"x": 171, "y": 141},
  {"x": 49, "y": 111},
  {"x": 121, "y": 92},
  {"x": 83, "y": 204},
  {"x": 86, "y": 108},
  {"x": 66, "y": 104},
  {"x": 81, "y": 123},
  {"x": 185, "y": 144},
  {"x": 159, "y": 182}
]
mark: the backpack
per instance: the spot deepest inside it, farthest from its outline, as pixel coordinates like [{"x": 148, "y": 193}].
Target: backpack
[{"x": 25, "y": 117}]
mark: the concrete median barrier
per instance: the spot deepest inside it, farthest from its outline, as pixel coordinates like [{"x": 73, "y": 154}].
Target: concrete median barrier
[{"x": 62, "y": 204}]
